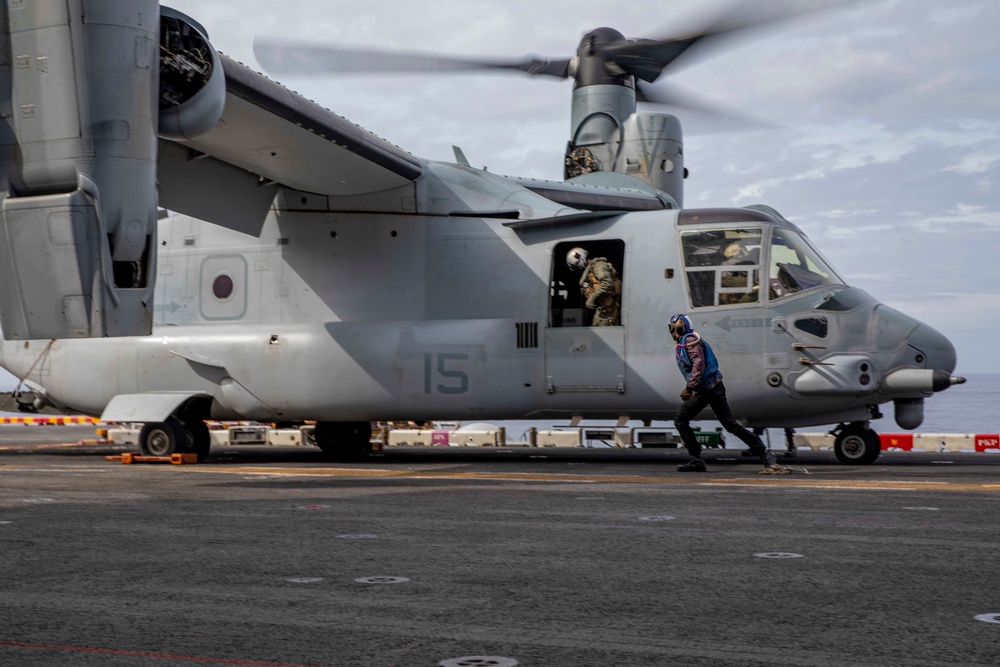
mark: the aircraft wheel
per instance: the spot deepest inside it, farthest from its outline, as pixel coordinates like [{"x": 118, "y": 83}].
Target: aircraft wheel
[
  {"x": 201, "y": 441},
  {"x": 344, "y": 440},
  {"x": 857, "y": 445},
  {"x": 163, "y": 438}
]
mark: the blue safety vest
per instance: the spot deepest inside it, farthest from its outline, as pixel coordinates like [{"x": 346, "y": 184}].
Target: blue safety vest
[{"x": 711, "y": 372}]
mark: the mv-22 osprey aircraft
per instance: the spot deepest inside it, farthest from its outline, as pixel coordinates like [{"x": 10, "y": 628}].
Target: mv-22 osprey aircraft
[{"x": 318, "y": 272}]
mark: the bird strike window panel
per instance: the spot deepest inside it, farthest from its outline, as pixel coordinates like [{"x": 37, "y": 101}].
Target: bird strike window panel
[
  {"x": 796, "y": 266},
  {"x": 723, "y": 266},
  {"x": 567, "y": 303},
  {"x": 814, "y": 326}
]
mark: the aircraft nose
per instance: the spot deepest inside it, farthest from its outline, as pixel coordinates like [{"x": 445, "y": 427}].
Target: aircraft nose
[{"x": 938, "y": 351}]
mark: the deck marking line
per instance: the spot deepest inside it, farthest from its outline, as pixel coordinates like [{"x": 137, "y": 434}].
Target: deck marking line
[
  {"x": 917, "y": 485},
  {"x": 146, "y": 654}
]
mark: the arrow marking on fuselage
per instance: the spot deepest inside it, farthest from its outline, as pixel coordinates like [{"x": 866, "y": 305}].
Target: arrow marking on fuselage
[
  {"x": 171, "y": 307},
  {"x": 729, "y": 323}
]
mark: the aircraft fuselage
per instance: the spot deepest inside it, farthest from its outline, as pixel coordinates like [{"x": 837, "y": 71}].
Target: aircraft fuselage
[{"x": 356, "y": 317}]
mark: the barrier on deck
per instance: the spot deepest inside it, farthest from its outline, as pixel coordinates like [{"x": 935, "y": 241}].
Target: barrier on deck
[
  {"x": 49, "y": 421},
  {"x": 234, "y": 433}
]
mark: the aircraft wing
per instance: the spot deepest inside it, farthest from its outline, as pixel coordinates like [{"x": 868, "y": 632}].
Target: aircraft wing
[
  {"x": 270, "y": 136},
  {"x": 125, "y": 106}
]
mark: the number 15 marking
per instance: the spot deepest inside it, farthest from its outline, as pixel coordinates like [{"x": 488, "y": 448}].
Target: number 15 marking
[{"x": 442, "y": 371}]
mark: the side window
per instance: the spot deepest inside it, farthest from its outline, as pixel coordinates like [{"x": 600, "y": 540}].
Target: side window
[
  {"x": 586, "y": 285},
  {"x": 814, "y": 326},
  {"x": 795, "y": 266},
  {"x": 722, "y": 266}
]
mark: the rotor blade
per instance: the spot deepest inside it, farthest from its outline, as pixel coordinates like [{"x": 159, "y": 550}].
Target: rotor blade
[
  {"x": 702, "y": 116},
  {"x": 646, "y": 59},
  {"x": 284, "y": 57}
]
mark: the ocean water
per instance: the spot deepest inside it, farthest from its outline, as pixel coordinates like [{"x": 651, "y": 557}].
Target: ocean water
[{"x": 973, "y": 407}]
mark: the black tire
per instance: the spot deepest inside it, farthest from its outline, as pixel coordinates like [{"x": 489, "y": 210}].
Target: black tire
[
  {"x": 344, "y": 441},
  {"x": 163, "y": 438},
  {"x": 201, "y": 441},
  {"x": 857, "y": 445}
]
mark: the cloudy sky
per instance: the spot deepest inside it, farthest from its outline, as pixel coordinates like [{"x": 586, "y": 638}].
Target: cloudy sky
[{"x": 885, "y": 150}]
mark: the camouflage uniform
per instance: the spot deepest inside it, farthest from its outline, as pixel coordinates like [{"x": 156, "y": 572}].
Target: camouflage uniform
[{"x": 602, "y": 289}]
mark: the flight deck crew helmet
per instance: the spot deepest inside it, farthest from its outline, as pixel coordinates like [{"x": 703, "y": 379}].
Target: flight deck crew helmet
[
  {"x": 576, "y": 258},
  {"x": 679, "y": 326}
]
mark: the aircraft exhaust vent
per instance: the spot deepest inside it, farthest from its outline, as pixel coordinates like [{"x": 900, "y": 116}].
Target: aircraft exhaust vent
[{"x": 527, "y": 335}]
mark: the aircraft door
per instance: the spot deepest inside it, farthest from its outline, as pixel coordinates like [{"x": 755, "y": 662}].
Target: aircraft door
[{"x": 585, "y": 346}]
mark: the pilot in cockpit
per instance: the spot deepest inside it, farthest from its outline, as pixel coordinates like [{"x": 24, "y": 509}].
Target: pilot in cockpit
[{"x": 735, "y": 254}]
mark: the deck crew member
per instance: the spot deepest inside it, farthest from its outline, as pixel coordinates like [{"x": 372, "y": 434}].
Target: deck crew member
[{"x": 700, "y": 368}]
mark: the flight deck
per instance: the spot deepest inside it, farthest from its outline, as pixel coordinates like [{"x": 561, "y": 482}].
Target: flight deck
[{"x": 492, "y": 556}]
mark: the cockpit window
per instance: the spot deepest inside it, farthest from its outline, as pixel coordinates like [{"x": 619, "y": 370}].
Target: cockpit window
[
  {"x": 722, "y": 266},
  {"x": 796, "y": 266}
]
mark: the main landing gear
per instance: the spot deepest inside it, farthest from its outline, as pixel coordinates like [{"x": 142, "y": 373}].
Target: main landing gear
[
  {"x": 177, "y": 435},
  {"x": 856, "y": 444},
  {"x": 344, "y": 441}
]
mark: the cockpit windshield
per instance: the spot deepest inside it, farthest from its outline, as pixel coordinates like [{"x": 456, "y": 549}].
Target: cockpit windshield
[
  {"x": 724, "y": 266},
  {"x": 795, "y": 266}
]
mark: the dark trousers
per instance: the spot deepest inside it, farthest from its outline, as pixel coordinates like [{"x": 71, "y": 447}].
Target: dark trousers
[{"x": 716, "y": 398}]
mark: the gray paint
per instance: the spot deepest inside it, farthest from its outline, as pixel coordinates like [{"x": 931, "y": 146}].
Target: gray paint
[{"x": 82, "y": 79}]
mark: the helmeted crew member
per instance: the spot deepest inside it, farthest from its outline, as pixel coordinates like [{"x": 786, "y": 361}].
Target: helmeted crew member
[
  {"x": 735, "y": 253},
  {"x": 599, "y": 285},
  {"x": 697, "y": 362}
]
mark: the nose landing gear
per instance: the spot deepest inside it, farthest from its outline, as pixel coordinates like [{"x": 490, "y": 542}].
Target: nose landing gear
[{"x": 856, "y": 444}]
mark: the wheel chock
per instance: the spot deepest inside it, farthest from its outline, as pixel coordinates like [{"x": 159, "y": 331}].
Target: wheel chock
[{"x": 174, "y": 459}]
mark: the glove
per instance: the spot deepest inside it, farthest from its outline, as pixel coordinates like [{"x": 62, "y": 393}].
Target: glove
[{"x": 686, "y": 394}]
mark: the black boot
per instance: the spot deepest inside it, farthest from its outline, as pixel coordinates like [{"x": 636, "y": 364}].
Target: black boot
[
  {"x": 771, "y": 466},
  {"x": 768, "y": 458},
  {"x": 694, "y": 465}
]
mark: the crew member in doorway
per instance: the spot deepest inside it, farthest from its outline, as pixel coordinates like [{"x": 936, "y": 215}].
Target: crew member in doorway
[
  {"x": 700, "y": 368},
  {"x": 600, "y": 286}
]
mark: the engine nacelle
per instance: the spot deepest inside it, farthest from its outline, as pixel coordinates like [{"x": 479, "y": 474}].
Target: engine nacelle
[
  {"x": 78, "y": 151},
  {"x": 192, "y": 83},
  {"x": 609, "y": 137}
]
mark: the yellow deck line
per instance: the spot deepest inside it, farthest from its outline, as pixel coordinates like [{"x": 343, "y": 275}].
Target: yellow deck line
[
  {"x": 796, "y": 480},
  {"x": 784, "y": 481}
]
